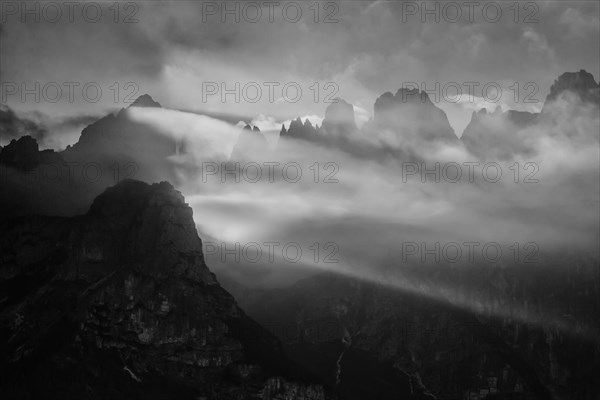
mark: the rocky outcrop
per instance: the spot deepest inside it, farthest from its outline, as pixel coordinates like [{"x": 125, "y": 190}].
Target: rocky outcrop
[
  {"x": 24, "y": 154},
  {"x": 119, "y": 303},
  {"x": 580, "y": 83}
]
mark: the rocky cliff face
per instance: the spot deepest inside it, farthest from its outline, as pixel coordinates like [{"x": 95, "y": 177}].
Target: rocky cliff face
[{"x": 118, "y": 303}]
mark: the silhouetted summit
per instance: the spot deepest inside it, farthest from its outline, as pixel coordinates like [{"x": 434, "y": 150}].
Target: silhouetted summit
[
  {"x": 24, "y": 154},
  {"x": 145, "y": 100},
  {"x": 581, "y": 83},
  {"x": 121, "y": 136}
]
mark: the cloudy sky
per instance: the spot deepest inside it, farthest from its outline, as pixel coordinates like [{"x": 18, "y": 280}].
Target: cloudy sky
[{"x": 177, "y": 51}]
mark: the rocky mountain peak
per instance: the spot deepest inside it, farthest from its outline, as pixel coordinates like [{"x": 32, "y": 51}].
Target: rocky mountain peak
[
  {"x": 24, "y": 154},
  {"x": 300, "y": 130},
  {"x": 581, "y": 83},
  {"x": 411, "y": 110},
  {"x": 123, "y": 137},
  {"x": 148, "y": 223},
  {"x": 25, "y": 147},
  {"x": 145, "y": 100}
]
